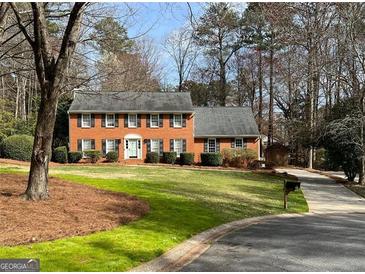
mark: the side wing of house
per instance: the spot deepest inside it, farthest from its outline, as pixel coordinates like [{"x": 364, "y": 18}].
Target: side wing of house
[{"x": 217, "y": 128}]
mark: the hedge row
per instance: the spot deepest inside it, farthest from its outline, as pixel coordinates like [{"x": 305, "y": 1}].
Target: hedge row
[
  {"x": 211, "y": 159},
  {"x": 17, "y": 147}
]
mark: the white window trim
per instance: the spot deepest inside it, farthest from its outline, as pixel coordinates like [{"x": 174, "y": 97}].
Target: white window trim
[
  {"x": 180, "y": 126},
  {"x": 235, "y": 144},
  {"x": 106, "y": 120},
  {"x": 215, "y": 145},
  {"x": 129, "y": 122},
  {"x": 182, "y": 145},
  {"x": 82, "y": 120},
  {"x": 158, "y": 145},
  {"x": 158, "y": 121},
  {"x": 106, "y": 145},
  {"x": 82, "y": 144}
]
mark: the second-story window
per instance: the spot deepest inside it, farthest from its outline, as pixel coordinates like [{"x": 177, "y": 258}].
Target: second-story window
[
  {"x": 86, "y": 120},
  {"x": 155, "y": 122},
  {"x": 178, "y": 120},
  {"x": 132, "y": 120},
  {"x": 110, "y": 120}
]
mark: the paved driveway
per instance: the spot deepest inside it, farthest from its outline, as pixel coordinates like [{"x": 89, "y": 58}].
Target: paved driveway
[{"x": 330, "y": 238}]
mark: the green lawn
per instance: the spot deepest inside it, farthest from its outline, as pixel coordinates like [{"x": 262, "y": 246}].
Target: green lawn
[{"x": 183, "y": 203}]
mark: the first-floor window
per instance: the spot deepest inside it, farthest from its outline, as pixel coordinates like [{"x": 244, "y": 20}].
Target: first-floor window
[
  {"x": 86, "y": 120},
  {"x": 110, "y": 145},
  {"x": 239, "y": 143},
  {"x": 212, "y": 145},
  {"x": 132, "y": 120},
  {"x": 178, "y": 146},
  {"x": 155, "y": 146},
  {"x": 86, "y": 144}
]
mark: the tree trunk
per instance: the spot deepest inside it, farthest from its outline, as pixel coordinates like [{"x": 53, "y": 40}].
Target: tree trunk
[
  {"x": 222, "y": 85},
  {"x": 38, "y": 177},
  {"x": 260, "y": 91},
  {"x": 271, "y": 100},
  {"x": 362, "y": 129}
]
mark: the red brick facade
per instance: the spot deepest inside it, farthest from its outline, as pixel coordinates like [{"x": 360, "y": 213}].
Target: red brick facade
[{"x": 165, "y": 132}]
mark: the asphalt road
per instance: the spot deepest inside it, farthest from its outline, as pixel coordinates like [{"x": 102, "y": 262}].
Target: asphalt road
[{"x": 330, "y": 238}]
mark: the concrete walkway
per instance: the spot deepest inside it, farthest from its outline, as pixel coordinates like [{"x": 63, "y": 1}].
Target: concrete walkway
[
  {"x": 324, "y": 195},
  {"x": 329, "y": 238}
]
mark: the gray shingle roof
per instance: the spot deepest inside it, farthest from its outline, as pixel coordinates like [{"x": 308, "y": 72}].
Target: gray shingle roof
[
  {"x": 131, "y": 102},
  {"x": 224, "y": 121}
]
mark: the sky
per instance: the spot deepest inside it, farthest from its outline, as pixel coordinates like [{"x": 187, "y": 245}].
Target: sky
[{"x": 156, "y": 21}]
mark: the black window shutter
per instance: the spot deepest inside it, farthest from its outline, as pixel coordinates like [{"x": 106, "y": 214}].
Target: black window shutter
[
  {"x": 244, "y": 143},
  {"x": 79, "y": 120},
  {"x": 116, "y": 144},
  {"x": 205, "y": 145},
  {"x": 116, "y": 120},
  {"x": 92, "y": 120},
  {"x": 79, "y": 145},
  {"x": 125, "y": 120},
  {"x": 92, "y": 144},
  {"x": 103, "y": 118},
  {"x": 171, "y": 120},
  {"x": 103, "y": 146},
  {"x": 160, "y": 120},
  {"x": 161, "y": 147},
  {"x": 148, "y": 120},
  {"x": 184, "y": 120},
  {"x": 184, "y": 145},
  {"x": 171, "y": 144},
  {"x": 148, "y": 143},
  {"x": 217, "y": 145},
  {"x": 138, "y": 120},
  {"x": 233, "y": 143}
]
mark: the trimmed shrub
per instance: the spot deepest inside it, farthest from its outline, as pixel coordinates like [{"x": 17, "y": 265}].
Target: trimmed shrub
[
  {"x": 74, "y": 156},
  {"x": 169, "y": 157},
  {"x": 60, "y": 155},
  {"x": 152, "y": 157},
  {"x": 238, "y": 157},
  {"x": 211, "y": 159},
  {"x": 186, "y": 158},
  {"x": 17, "y": 147},
  {"x": 92, "y": 155},
  {"x": 112, "y": 156}
]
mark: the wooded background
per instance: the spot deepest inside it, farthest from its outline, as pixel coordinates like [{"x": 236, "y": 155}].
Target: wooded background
[{"x": 299, "y": 66}]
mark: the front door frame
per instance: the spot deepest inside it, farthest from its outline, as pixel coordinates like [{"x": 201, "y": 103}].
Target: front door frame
[{"x": 138, "y": 139}]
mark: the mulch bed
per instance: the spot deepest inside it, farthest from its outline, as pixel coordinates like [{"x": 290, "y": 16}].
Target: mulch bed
[{"x": 71, "y": 210}]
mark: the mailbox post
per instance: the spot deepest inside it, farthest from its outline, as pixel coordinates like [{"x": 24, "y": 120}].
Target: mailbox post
[{"x": 289, "y": 186}]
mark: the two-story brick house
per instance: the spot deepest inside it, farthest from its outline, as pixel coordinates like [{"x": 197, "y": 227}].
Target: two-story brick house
[{"x": 134, "y": 123}]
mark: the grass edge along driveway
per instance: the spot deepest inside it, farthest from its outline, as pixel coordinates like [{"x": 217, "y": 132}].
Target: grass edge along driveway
[{"x": 183, "y": 203}]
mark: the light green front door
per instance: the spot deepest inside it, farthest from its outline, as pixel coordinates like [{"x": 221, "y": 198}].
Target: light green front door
[{"x": 133, "y": 148}]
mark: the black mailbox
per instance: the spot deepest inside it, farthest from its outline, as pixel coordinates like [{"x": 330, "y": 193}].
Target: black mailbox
[{"x": 289, "y": 186}]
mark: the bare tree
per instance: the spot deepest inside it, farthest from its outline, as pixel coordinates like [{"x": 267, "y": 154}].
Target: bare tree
[
  {"x": 51, "y": 66},
  {"x": 180, "y": 47}
]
